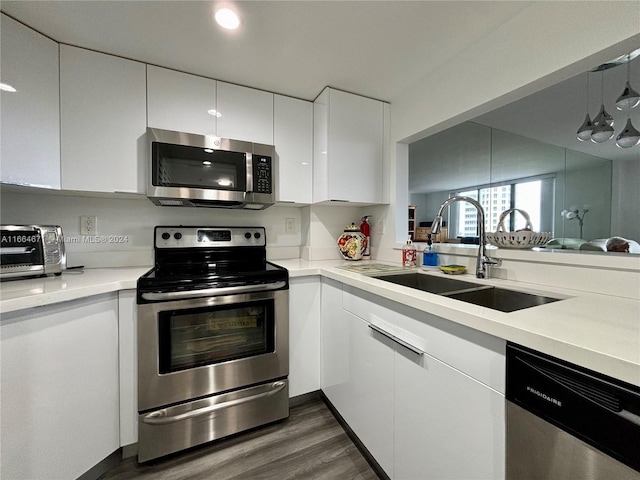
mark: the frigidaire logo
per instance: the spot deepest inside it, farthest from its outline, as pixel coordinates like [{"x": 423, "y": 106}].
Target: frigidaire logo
[{"x": 544, "y": 396}]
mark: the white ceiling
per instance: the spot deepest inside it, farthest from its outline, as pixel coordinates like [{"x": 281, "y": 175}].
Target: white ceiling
[{"x": 373, "y": 48}]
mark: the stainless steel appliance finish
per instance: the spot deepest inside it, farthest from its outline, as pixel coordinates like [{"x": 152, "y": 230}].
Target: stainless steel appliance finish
[
  {"x": 157, "y": 388},
  {"x": 213, "y": 338},
  {"x": 31, "y": 250},
  {"x": 175, "y": 428},
  {"x": 209, "y": 171},
  {"x": 567, "y": 422}
]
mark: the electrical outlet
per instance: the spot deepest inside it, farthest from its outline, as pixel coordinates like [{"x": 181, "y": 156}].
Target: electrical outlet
[
  {"x": 88, "y": 225},
  {"x": 290, "y": 225}
]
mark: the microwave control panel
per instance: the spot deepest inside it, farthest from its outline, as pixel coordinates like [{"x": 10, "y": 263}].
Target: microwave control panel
[{"x": 261, "y": 174}]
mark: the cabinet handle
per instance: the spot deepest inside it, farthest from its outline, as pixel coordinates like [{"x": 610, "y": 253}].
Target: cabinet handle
[
  {"x": 395, "y": 339},
  {"x": 338, "y": 200}
]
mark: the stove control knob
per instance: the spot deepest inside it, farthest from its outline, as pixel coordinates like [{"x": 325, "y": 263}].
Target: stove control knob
[
  {"x": 177, "y": 235},
  {"x": 247, "y": 235},
  {"x": 166, "y": 236},
  {"x": 256, "y": 235}
]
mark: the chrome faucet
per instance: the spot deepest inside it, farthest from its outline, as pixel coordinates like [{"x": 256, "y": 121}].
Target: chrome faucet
[{"x": 483, "y": 263}]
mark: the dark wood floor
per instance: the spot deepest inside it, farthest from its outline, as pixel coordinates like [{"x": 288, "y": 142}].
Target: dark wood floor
[{"x": 310, "y": 444}]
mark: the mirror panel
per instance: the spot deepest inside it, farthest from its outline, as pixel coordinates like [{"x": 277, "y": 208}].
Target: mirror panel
[
  {"x": 449, "y": 161},
  {"x": 530, "y": 146}
]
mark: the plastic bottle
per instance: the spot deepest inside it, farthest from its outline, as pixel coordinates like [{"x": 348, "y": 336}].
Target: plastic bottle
[
  {"x": 365, "y": 228},
  {"x": 408, "y": 254},
  {"x": 429, "y": 257}
]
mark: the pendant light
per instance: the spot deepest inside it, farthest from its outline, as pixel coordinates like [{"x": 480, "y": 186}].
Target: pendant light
[
  {"x": 603, "y": 123},
  {"x": 629, "y": 98},
  {"x": 629, "y": 137},
  {"x": 584, "y": 132}
]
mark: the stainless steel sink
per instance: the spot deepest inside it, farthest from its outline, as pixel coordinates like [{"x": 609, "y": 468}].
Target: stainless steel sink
[
  {"x": 429, "y": 283},
  {"x": 501, "y": 299},
  {"x": 487, "y": 296}
]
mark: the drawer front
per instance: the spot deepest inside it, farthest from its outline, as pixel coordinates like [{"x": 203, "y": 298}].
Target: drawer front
[{"x": 477, "y": 354}]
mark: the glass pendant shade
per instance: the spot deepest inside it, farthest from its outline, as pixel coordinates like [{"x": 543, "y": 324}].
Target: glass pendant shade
[
  {"x": 584, "y": 132},
  {"x": 601, "y": 133},
  {"x": 603, "y": 117},
  {"x": 629, "y": 137},
  {"x": 629, "y": 98}
]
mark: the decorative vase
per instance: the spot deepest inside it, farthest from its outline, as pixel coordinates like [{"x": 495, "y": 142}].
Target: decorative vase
[{"x": 352, "y": 243}]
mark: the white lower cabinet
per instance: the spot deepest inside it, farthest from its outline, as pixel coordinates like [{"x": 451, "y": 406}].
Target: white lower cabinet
[
  {"x": 128, "y": 366},
  {"x": 304, "y": 334},
  {"x": 358, "y": 375},
  {"x": 59, "y": 374},
  {"x": 447, "y": 425},
  {"x": 419, "y": 416}
]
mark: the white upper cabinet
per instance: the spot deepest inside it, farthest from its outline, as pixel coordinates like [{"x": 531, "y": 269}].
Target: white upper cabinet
[
  {"x": 103, "y": 122},
  {"x": 245, "y": 114},
  {"x": 350, "y": 135},
  {"x": 293, "y": 139},
  {"x": 31, "y": 115},
  {"x": 180, "y": 101}
]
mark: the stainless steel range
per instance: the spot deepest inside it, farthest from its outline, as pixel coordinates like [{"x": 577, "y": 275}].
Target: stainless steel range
[{"x": 213, "y": 338}]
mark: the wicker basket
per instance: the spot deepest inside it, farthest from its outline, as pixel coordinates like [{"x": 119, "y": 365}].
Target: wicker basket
[{"x": 521, "y": 239}]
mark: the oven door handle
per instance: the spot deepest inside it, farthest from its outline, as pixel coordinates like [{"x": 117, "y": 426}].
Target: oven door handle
[
  {"x": 211, "y": 292},
  {"x": 159, "y": 417}
]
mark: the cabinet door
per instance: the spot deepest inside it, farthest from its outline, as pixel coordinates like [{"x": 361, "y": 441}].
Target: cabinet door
[
  {"x": 30, "y": 116},
  {"x": 293, "y": 139},
  {"x": 349, "y": 136},
  {"x": 128, "y": 366},
  {"x": 447, "y": 425},
  {"x": 304, "y": 335},
  {"x": 103, "y": 122},
  {"x": 357, "y": 371},
  {"x": 59, "y": 373},
  {"x": 180, "y": 102},
  {"x": 245, "y": 114}
]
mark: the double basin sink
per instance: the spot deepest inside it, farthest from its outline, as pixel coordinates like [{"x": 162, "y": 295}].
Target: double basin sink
[{"x": 496, "y": 298}]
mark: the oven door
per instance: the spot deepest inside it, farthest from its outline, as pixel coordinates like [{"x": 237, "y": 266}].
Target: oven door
[{"x": 198, "y": 347}]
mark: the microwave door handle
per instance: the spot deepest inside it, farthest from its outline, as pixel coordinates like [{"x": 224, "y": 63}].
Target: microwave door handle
[{"x": 210, "y": 292}]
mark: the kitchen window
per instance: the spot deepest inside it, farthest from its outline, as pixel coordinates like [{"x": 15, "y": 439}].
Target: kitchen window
[{"x": 534, "y": 195}]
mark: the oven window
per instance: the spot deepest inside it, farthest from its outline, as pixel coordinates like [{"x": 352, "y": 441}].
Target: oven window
[
  {"x": 204, "y": 336},
  {"x": 186, "y": 166}
]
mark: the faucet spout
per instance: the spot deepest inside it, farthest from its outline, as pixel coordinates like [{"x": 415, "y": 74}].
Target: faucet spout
[{"x": 483, "y": 262}]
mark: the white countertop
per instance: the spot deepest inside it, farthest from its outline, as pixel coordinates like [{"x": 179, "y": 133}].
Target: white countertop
[
  {"x": 71, "y": 285},
  {"x": 600, "y": 332}
]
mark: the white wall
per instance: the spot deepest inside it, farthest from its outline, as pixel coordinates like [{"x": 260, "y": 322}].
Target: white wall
[
  {"x": 134, "y": 219},
  {"x": 547, "y": 43}
]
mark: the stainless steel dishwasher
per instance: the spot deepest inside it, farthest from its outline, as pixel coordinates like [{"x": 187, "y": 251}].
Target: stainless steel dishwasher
[{"x": 568, "y": 422}]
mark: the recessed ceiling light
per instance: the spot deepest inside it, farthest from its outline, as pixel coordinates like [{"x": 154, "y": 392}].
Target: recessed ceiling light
[
  {"x": 7, "y": 88},
  {"x": 227, "y": 18},
  {"x": 214, "y": 112}
]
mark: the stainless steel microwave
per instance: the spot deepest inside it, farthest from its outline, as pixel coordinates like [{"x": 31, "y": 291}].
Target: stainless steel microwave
[
  {"x": 207, "y": 171},
  {"x": 31, "y": 250}
]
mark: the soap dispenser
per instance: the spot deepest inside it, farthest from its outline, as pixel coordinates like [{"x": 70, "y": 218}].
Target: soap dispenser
[
  {"x": 409, "y": 254},
  {"x": 429, "y": 256}
]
